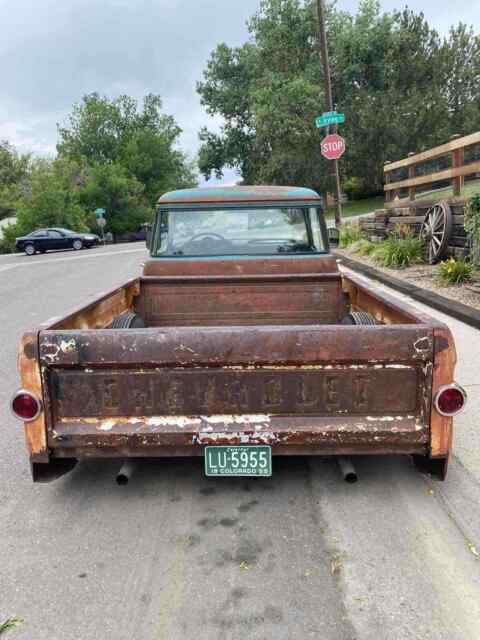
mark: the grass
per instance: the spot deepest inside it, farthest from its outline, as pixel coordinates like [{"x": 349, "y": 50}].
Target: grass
[
  {"x": 349, "y": 233},
  {"x": 357, "y": 207},
  {"x": 469, "y": 190},
  {"x": 9, "y": 624},
  {"x": 453, "y": 271},
  {"x": 363, "y": 247},
  {"x": 398, "y": 253}
]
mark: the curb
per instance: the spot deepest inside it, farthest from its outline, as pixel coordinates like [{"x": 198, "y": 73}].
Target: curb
[{"x": 452, "y": 308}]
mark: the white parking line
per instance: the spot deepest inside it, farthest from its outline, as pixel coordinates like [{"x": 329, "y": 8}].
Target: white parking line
[{"x": 35, "y": 263}]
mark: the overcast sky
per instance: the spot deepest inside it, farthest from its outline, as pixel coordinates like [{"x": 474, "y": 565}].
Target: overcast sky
[{"x": 54, "y": 51}]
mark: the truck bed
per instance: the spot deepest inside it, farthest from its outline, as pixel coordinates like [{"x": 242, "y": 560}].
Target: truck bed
[{"x": 297, "y": 380}]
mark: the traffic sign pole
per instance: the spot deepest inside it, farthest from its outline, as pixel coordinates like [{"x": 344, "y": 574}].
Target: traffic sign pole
[{"x": 322, "y": 39}]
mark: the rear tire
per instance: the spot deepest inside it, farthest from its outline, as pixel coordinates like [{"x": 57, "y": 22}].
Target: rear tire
[
  {"x": 359, "y": 318},
  {"x": 77, "y": 245},
  {"x": 29, "y": 249},
  {"x": 127, "y": 321}
]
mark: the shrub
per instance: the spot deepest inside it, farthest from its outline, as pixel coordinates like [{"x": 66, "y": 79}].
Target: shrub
[
  {"x": 363, "y": 247},
  {"x": 7, "y": 243},
  {"x": 401, "y": 253},
  {"x": 454, "y": 271},
  {"x": 402, "y": 231},
  {"x": 349, "y": 233}
]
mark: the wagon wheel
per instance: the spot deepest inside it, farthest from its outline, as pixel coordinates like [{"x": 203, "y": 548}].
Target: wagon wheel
[{"x": 436, "y": 231}]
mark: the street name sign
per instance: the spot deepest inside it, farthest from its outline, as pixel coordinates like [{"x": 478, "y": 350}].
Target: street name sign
[
  {"x": 333, "y": 147},
  {"x": 328, "y": 118}
]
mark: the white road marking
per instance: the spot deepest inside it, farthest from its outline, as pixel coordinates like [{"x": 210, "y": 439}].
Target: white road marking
[{"x": 35, "y": 263}]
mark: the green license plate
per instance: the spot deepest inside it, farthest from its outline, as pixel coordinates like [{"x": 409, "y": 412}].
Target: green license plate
[{"x": 242, "y": 460}]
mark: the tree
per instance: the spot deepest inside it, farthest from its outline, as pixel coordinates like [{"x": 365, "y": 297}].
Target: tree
[
  {"x": 14, "y": 170},
  {"x": 51, "y": 198},
  {"x": 401, "y": 87},
  {"x": 268, "y": 93},
  {"x": 142, "y": 141},
  {"x": 110, "y": 186}
]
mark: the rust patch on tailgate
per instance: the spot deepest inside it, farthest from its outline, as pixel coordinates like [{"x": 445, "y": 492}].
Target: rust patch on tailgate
[
  {"x": 165, "y": 435},
  {"x": 220, "y": 346},
  {"x": 317, "y": 390}
]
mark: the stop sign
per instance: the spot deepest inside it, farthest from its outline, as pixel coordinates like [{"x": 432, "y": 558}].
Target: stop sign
[{"x": 333, "y": 147}]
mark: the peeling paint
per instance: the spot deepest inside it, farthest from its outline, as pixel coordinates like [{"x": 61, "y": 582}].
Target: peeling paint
[
  {"x": 67, "y": 346},
  {"x": 236, "y": 419},
  {"x": 106, "y": 425}
]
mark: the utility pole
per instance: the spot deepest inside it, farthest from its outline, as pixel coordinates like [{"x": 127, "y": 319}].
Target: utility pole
[{"x": 323, "y": 51}]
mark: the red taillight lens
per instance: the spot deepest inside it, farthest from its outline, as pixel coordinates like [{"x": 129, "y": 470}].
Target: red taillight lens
[
  {"x": 450, "y": 400},
  {"x": 25, "y": 406}
]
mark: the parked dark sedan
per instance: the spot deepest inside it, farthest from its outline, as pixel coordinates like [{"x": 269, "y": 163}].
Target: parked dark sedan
[{"x": 44, "y": 240}]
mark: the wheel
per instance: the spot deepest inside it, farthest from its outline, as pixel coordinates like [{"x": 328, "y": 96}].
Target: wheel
[
  {"x": 29, "y": 250},
  {"x": 359, "y": 317},
  {"x": 436, "y": 231},
  {"x": 127, "y": 321},
  {"x": 77, "y": 245}
]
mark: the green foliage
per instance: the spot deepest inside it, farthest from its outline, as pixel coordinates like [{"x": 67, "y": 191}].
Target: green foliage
[
  {"x": 14, "y": 170},
  {"x": 142, "y": 141},
  {"x": 9, "y": 624},
  {"x": 454, "y": 271},
  {"x": 110, "y": 186},
  {"x": 363, "y": 247},
  {"x": 7, "y": 243},
  {"x": 112, "y": 154},
  {"x": 51, "y": 198},
  {"x": 472, "y": 226},
  {"x": 399, "y": 253},
  {"x": 402, "y": 87},
  {"x": 349, "y": 233}
]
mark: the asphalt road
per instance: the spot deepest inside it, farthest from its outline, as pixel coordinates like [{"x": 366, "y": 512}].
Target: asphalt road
[{"x": 177, "y": 556}]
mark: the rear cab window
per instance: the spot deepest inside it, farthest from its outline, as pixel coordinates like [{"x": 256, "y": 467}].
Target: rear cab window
[{"x": 234, "y": 231}]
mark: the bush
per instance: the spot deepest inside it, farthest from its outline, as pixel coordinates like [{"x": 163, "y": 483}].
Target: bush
[
  {"x": 363, "y": 247},
  {"x": 349, "y": 233},
  {"x": 399, "y": 254},
  {"x": 454, "y": 271},
  {"x": 7, "y": 243}
]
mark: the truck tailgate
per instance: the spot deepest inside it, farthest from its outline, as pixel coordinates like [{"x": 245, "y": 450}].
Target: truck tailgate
[{"x": 302, "y": 389}]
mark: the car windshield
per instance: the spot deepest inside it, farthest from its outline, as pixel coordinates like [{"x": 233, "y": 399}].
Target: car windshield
[
  {"x": 239, "y": 232},
  {"x": 65, "y": 232}
]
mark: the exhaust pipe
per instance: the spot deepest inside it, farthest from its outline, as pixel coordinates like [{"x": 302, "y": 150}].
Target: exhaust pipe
[
  {"x": 347, "y": 469},
  {"x": 125, "y": 473}
]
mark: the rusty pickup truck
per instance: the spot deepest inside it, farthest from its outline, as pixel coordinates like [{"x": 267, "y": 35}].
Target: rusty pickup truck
[{"x": 241, "y": 339}]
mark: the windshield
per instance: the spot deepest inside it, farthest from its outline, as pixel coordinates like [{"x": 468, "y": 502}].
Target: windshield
[
  {"x": 239, "y": 232},
  {"x": 66, "y": 232}
]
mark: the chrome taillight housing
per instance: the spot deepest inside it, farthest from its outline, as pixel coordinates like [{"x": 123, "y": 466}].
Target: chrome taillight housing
[
  {"x": 450, "y": 399},
  {"x": 25, "y": 405}
]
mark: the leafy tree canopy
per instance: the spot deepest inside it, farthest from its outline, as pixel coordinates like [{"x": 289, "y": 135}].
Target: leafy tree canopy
[
  {"x": 142, "y": 141},
  {"x": 401, "y": 86},
  {"x": 13, "y": 172}
]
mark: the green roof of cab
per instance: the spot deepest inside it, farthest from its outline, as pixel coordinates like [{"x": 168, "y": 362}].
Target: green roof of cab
[{"x": 244, "y": 194}]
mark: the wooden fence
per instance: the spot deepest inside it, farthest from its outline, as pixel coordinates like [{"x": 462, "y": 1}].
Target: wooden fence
[{"x": 420, "y": 176}]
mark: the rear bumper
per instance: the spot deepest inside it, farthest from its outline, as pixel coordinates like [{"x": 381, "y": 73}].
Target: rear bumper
[{"x": 166, "y": 436}]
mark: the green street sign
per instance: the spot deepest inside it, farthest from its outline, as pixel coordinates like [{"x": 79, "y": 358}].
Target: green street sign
[{"x": 328, "y": 118}]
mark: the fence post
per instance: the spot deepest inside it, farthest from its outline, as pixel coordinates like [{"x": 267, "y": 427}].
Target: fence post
[
  {"x": 411, "y": 175},
  {"x": 388, "y": 194},
  {"x": 458, "y": 159}
]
